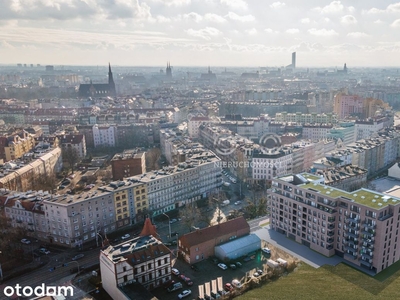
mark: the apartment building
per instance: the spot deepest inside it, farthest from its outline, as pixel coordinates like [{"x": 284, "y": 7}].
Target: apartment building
[
  {"x": 313, "y": 118},
  {"x": 361, "y": 226},
  {"x": 104, "y": 135},
  {"x": 194, "y": 124},
  {"x": 304, "y": 153},
  {"x": 269, "y": 163},
  {"x": 316, "y": 132},
  {"x": 74, "y": 141},
  {"x": 76, "y": 219},
  {"x": 174, "y": 186},
  {"x": 347, "y": 178},
  {"x": 343, "y": 131},
  {"x": 128, "y": 163},
  {"x": 18, "y": 144},
  {"x": 348, "y": 105},
  {"x": 364, "y": 129},
  {"x": 143, "y": 260}
]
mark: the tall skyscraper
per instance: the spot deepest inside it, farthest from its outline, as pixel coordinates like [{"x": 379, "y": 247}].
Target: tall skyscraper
[{"x": 294, "y": 60}]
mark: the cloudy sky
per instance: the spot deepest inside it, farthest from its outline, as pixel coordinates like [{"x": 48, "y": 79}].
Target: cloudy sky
[{"x": 200, "y": 32}]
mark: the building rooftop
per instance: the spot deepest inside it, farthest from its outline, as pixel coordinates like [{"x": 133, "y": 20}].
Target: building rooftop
[{"x": 362, "y": 196}]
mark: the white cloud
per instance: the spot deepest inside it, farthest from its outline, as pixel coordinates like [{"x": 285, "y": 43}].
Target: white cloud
[
  {"x": 327, "y": 20},
  {"x": 351, "y": 9},
  {"x": 214, "y": 18},
  {"x": 357, "y": 34},
  {"x": 193, "y": 16},
  {"x": 252, "y": 31},
  {"x": 392, "y": 8},
  {"x": 378, "y": 21},
  {"x": 205, "y": 33},
  {"x": 348, "y": 19},
  {"x": 236, "y": 17},
  {"x": 322, "y": 32},
  {"x": 333, "y": 7},
  {"x": 162, "y": 19},
  {"x": 269, "y": 30},
  {"x": 292, "y": 31},
  {"x": 277, "y": 4},
  {"x": 305, "y": 21},
  {"x": 5, "y": 44},
  {"x": 235, "y": 4},
  {"x": 173, "y": 2},
  {"x": 396, "y": 23}
]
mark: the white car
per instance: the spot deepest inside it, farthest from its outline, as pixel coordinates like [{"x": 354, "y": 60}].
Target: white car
[
  {"x": 44, "y": 251},
  {"x": 126, "y": 236},
  {"x": 222, "y": 266},
  {"x": 175, "y": 271},
  {"x": 184, "y": 294},
  {"x": 266, "y": 250},
  {"x": 238, "y": 202},
  {"x": 25, "y": 241}
]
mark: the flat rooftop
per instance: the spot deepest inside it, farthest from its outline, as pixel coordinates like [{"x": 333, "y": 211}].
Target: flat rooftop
[{"x": 365, "y": 197}]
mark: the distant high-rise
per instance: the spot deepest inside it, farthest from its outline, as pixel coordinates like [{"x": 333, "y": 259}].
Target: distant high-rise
[
  {"x": 169, "y": 70},
  {"x": 294, "y": 60}
]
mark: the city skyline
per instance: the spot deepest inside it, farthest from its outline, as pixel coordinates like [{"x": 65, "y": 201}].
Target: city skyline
[{"x": 195, "y": 33}]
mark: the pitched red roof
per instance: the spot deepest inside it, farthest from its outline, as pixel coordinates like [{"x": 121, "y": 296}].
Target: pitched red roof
[
  {"x": 213, "y": 232},
  {"x": 148, "y": 228}
]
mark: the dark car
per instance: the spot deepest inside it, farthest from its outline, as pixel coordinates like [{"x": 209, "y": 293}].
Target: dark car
[
  {"x": 78, "y": 256},
  {"x": 174, "y": 233}
]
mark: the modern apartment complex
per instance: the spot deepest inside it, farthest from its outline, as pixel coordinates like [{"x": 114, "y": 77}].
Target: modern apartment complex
[{"x": 361, "y": 226}]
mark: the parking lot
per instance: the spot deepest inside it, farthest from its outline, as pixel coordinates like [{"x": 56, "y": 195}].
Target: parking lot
[{"x": 208, "y": 270}]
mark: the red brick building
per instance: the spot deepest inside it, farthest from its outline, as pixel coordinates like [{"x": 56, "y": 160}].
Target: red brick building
[
  {"x": 200, "y": 244},
  {"x": 128, "y": 163}
]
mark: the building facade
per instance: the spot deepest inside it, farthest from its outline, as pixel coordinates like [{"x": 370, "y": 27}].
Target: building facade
[{"x": 361, "y": 226}]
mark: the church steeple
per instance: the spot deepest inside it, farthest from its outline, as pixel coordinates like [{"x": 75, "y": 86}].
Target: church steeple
[
  {"x": 111, "y": 84},
  {"x": 169, "y": 70}
]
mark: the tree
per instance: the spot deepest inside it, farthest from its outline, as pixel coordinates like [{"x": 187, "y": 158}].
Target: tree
[
  {"x": 190, "y": 215},
  {"x": 152, "y": 159},
  {"x": 70, "y": 155}
]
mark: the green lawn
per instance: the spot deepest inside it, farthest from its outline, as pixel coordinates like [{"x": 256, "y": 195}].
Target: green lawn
[{"x": 328, "y": 282}]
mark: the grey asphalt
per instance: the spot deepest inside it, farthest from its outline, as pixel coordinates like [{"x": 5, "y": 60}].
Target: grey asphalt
[{"x": 295, "y": 249}]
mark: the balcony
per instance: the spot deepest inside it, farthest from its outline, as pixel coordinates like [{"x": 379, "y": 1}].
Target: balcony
[
  {"x": 365, "y": 263},
  {"x": 369, "y": 226},
  {"x": 329, "y": 247},
  {"x": 330, "y": 233},
  {"x": 331, "y": 226},
  {"x": 353, "y": 235},
  {"x": 354, "y": 221},
  {"x": 370, "y": 233},
  {"x": 350, "y": 248},
  {"x": 367, "y": 255},
  {"x": 385, "y": 217},
  {"x": 352, "y": 242}
]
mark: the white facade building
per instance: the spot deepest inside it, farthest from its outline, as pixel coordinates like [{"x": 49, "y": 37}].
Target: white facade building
[{"x": 104, "y": 135}]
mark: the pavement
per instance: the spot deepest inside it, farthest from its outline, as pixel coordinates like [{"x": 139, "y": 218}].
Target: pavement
[{"x": 295, "y": 249}]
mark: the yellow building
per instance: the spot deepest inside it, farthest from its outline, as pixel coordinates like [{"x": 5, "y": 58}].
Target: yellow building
[
  {"x": 131, "y": 202},
  {"x": 18, "y": 145}
]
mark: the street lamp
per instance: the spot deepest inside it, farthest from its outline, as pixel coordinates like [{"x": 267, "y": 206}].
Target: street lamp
[
  {"x": 169, "y": 224},
  {"x": 102, "y": 242}
]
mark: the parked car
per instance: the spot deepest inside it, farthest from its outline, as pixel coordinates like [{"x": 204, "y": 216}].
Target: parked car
[
  {"x": 256, "y": 274},
  {"x": 222, "y": 266},
  {"x": 259, "y": 271},
  {"x": 232, "y": 266},
  {"x": 215, "y": 295},
  {"x": 44, "y": 251},
  {"x": 228, "y": 287},
  {"x": 238, "y": 202},
  {"x": 78, "y": 256},
  {"x": 174, "y": 287},
  {"x": 266, "y": 250},
  {"x": 126, "y": 236},
  {"x": 25, "y": 241},
  {"x": 195, "y": 267},
  {"x": 236, "y": 283},
  {"x": 175, "y": 271},
  {"x": 174, "y": 233},
  {"x": 184, "y": 294},
  {"x": 173, "y": 221},
  {"x": 239, "y": 264},
  {"x": 187, "y": 280}
]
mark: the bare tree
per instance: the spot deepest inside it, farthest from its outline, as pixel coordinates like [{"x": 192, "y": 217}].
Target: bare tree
[
  {"x": 152, "y": 159},
  {"x": 70, "y": 156},
  {"x": 190, "y": 215}
]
